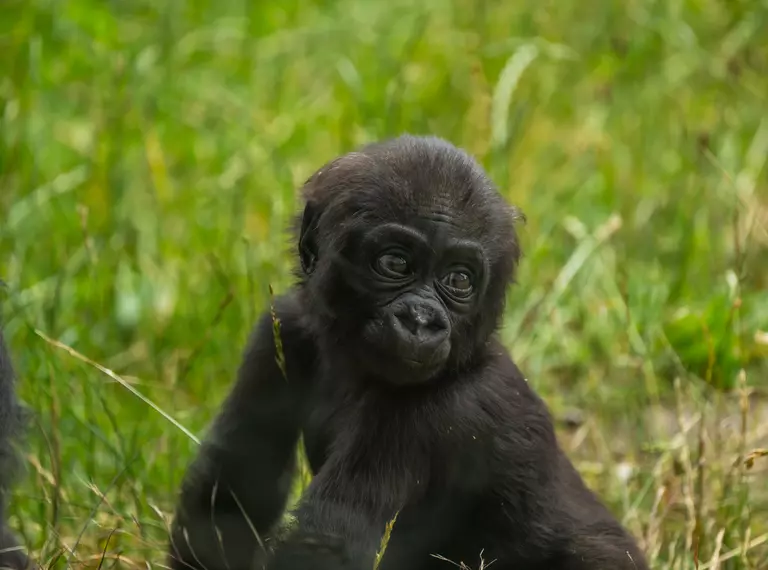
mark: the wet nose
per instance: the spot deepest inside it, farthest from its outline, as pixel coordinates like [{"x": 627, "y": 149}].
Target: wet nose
[{"x": 423, "y": 321}]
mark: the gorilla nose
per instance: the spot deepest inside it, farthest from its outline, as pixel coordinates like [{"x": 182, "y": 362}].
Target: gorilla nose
[{"x": 423, "y": 322}]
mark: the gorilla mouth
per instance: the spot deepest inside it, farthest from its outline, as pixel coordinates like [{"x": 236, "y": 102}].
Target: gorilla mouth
[
  {"x": 422, "y": 364},
  {"x": 396, "y": 364},
  {"x": 409, "y": 369}
]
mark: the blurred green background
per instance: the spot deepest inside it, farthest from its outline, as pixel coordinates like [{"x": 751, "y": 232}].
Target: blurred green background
[{"x": 150, "y": 156}]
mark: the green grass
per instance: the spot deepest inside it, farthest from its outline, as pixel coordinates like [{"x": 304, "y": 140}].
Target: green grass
[{"x": 150, "y": 157}]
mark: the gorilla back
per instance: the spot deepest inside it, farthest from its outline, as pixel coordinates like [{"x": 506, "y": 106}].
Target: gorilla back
[
  {"x": 407, "y": 402},
  {"x": 11, "y": 554}
]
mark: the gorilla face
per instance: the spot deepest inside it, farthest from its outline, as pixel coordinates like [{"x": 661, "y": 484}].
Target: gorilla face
[
  {"x": 406, "y": 252},
  {"x": 422, "y": 283}
]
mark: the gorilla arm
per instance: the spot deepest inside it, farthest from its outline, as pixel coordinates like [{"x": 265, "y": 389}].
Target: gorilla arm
[
  {"x": 236, "y": 489},
  {"x": 563, "y": 518},
  {"x": 333, "y": 532},
  {"x": 596, "y": 541},
  {"x": 373, "y": 471}
]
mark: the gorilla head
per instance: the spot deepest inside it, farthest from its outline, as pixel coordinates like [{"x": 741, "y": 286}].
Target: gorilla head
[{"x": 406, "y": 251}]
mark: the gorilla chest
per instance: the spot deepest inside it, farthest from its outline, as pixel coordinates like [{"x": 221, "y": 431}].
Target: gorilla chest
[
  {"x": 365, "y": 432},
  {"x": 318, "y": 435},
  {"x": 402, "y": 441}
]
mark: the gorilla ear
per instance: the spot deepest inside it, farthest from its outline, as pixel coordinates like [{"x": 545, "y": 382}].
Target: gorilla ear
[{"x": 308, "y": 250}]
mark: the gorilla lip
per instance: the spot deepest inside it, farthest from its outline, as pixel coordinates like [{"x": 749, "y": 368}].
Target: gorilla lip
[{"x": 421, "y": 364}]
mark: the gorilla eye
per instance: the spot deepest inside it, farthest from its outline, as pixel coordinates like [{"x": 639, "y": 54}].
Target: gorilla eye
[
  {"x": 459, "y": 283},
  {"x": 392, "y": 265}
]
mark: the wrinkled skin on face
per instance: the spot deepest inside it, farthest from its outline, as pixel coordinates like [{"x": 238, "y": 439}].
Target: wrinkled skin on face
[{"x": 406, "y": 250}]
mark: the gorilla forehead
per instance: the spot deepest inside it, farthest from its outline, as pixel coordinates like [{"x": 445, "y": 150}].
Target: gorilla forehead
[{"x": 423, "y": 182}]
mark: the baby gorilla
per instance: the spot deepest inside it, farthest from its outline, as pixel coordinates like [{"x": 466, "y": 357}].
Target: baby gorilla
[
  {"x": 407, "y": 402},
  {"x": 11, "y": 554}
]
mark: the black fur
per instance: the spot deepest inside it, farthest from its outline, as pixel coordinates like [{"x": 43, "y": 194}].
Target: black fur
[
  {"x": 452, "y": 438},
  {"x": 11, "y": 416}
]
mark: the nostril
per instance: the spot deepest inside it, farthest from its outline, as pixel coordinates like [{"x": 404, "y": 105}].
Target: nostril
[
  {"x": 421, "y": 321},
  {"x": 406, "y": 319},
  {"x": 437, "y": 322},
  {"x": 430, "y": 320},
  {"x": 437, "y": 325}
]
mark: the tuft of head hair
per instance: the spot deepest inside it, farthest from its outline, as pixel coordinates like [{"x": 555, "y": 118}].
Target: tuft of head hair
[{"x": 398, "y": 179}]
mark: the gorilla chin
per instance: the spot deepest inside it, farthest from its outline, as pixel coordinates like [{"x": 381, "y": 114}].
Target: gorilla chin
[{"x": 399, "y": 370}]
